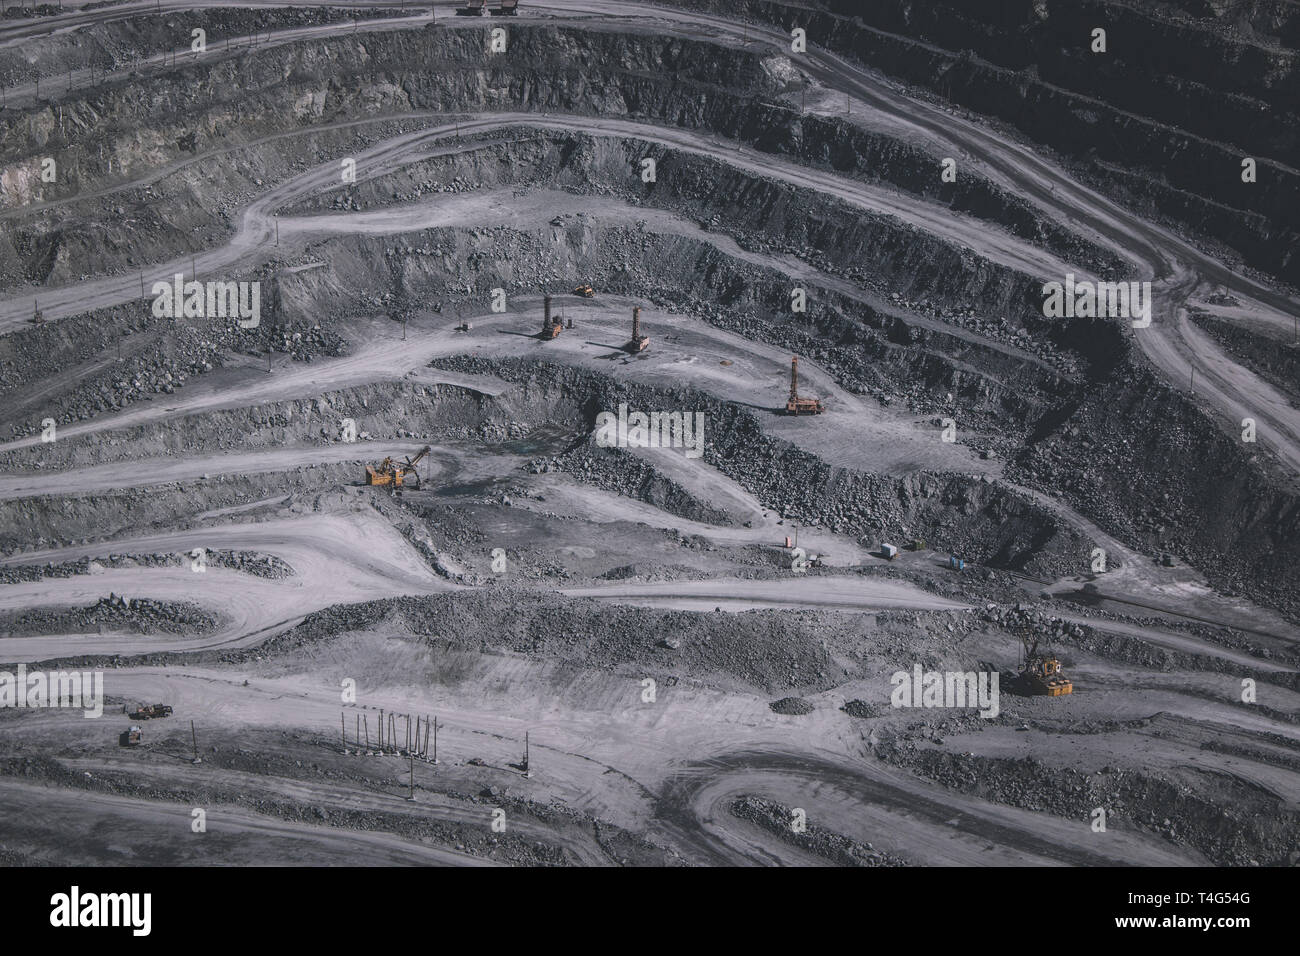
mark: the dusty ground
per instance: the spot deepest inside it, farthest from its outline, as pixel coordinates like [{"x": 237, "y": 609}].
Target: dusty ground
[{"x": 686, "y": 685}]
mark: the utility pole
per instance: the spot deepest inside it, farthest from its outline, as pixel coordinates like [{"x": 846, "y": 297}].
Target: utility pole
[
  {"x": 435, "y": 739},
  {"x": 366, "y": 723},
  {"x": 344, "y": 728},
  {"x": 527, "y": 772},
  {"x": 194, "y": 740},
  {"x": 412, "y": 795}
]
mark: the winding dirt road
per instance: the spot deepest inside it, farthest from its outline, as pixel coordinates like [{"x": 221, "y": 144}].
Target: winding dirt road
[{"x": 675, "y": 769}]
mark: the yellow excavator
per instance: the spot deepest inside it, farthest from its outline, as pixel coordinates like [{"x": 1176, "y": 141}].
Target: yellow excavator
[
  {"x": 393, "y": 474},
  {"x": 1040, "y": 674}
]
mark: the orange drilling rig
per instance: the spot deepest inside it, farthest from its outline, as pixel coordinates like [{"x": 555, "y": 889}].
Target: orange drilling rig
[
  {"x": 796, "y": 405},
  {"x": 639, "y": 341},
  {"x": 550, "y": 328},
  {"x": 390, "y": 474}
]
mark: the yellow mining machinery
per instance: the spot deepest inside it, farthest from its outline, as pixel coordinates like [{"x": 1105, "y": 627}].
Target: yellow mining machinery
[
  {"x": 796, "y": 405},
  {"x": 551, "y": 327},
  {"x": 1040, "y": 674},
  {"x": 150, "y": 711},
  {"x": 639, "y": 341},
  {"x": 392, "y": 474}
]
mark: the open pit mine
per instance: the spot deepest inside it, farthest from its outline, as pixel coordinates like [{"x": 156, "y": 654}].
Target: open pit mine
[{"x": 586, "y": 433}]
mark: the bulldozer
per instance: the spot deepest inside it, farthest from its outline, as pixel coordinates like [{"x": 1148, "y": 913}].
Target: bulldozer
[
  {"x": 392, "y": 474},
  {"x": 1040, "y": 674},
  {"x": 585, "y": 290},
  {"x": 131, "y": 737},
  {"x": 796, "y": 405}
]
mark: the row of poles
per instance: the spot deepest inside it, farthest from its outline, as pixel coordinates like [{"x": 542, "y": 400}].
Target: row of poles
[
  {"x": 387, "y": 741},
  {"x": 414, "y": 742}
]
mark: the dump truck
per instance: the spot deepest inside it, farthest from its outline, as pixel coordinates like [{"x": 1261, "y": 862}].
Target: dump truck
[
  {"x": 889, "y": 551},
  {"x": 131, "y": 737},
  {"x": 551, "y": 327},
  {"x": 796, "y": 405},
  {"x": 392, "y": 474},
  {"x": 150, "y": 711},
  {"x": 586, "y": 291},
  {"x": 508, "y": 8},
  {"x": 638, "y": 341},
  {"x": 472, "y": 8}
]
